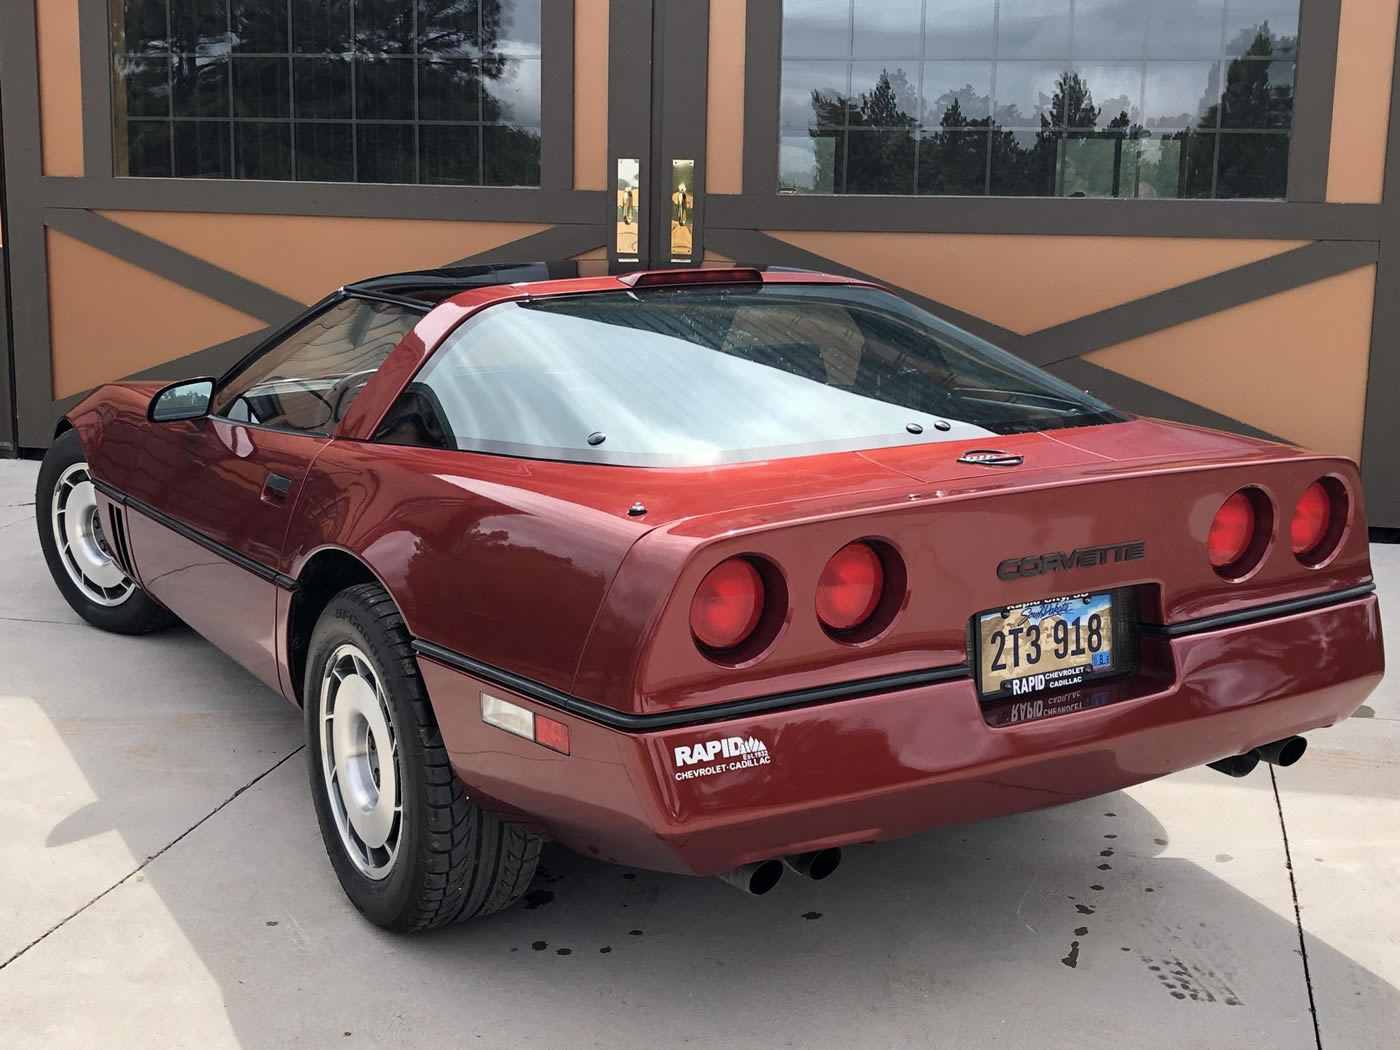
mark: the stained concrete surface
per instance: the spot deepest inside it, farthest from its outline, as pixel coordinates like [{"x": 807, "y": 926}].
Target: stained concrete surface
[{"x": 163, "y": 883}]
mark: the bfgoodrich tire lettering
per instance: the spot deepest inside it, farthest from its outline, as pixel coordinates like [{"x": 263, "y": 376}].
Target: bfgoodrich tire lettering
[
  {"x": 438, "y": 858},
  {"x": 76, "y": 548}
]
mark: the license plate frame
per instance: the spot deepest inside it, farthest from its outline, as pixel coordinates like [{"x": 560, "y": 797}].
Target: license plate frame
[{"x": 1045, "y": 678}]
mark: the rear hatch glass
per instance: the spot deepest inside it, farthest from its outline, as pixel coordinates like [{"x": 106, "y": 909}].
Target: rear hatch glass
[{"x": 697, "y": 376}]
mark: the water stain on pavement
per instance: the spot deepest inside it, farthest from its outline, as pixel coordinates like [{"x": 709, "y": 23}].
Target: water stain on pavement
[{"x": 1195, "y": 983}]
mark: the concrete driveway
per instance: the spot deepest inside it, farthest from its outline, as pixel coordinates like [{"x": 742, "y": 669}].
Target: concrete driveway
[{"x": 162, "y": 883}]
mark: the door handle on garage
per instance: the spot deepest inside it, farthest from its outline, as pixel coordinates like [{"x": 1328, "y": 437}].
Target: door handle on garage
[
  {"x": 682, "y": 224},
  {"x": 628, "y": 244},
  {"x": 275, "y": 488}
]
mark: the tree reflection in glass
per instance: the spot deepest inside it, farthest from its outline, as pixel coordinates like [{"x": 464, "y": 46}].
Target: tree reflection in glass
[
  {"x": 444, "y": 91},
  {"x": 1008, "y": 116}
]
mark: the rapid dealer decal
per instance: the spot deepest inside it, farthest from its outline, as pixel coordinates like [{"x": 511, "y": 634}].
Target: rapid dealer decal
[
  {"x": 722, "y": 755},
  {"x": 1056, "y": 561}
]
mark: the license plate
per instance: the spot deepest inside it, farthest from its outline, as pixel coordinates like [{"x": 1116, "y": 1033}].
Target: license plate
[{"x": 1052, "y": 644}]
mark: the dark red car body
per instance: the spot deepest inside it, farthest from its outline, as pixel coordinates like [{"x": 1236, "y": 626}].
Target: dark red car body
[{"x": 531, "y": 580}]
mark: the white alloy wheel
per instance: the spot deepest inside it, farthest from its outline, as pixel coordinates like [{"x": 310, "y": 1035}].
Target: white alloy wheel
[
  {"x": 82, "y": 545},
  {"x": 359, "y": 761}
]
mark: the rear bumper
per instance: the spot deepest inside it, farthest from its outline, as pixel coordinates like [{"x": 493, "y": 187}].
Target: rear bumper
[{"x": 898, "y": 763}]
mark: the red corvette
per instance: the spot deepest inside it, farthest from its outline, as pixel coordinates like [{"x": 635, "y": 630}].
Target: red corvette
[{"x": 707, "y": 571}]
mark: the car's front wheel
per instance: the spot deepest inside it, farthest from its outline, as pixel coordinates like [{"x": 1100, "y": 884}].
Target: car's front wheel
[
  {"x": 411, "y": 850},
  {"x": 78, "y": 550}
]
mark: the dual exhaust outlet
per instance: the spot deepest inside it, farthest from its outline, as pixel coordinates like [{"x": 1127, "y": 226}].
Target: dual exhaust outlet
[
  {"x": 1280, "y": 753},
  {"x": 762, "y": 875}
]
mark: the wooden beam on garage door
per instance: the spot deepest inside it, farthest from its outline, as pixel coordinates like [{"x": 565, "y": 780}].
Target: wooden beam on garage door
[{"x": 1380, "y": 442}]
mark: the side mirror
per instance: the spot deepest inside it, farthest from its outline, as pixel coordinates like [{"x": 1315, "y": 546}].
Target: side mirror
[{"x": 184, "y": 400}]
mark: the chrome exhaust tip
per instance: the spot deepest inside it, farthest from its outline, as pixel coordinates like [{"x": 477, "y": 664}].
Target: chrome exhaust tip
[
  {"x": 817, "y": 864},
  {"x": 756, "y": 878}
]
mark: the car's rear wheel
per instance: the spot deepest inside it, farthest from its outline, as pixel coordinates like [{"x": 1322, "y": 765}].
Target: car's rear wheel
[
  {"x": 78, "y": 551},
  {"x": 411, "y": 850}
]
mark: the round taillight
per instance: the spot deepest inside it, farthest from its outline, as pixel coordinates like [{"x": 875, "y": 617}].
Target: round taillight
[
  {"x": 850, "y": 587},
  {"x": 1312, "y": 518},
  {"x": 727, "y": 604},
  {"x": 1232, "y": 531}
]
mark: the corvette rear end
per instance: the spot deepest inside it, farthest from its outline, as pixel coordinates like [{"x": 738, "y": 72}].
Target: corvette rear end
[
  {"x": 711, "y": 571},
  {"x": 987, "y": 638}
]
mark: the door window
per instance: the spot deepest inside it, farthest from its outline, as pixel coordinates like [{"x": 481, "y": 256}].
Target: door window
[{"x": 308, "y": 381}]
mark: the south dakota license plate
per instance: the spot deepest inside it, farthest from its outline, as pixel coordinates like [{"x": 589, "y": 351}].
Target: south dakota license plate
[{"x": 1045, "y": 645}]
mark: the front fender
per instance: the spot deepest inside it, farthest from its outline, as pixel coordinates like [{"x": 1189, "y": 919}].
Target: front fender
[{"x": 111, "y": 424}]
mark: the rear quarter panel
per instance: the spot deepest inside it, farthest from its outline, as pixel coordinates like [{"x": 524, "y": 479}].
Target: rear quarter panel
[{"x": 475, "y": 561}]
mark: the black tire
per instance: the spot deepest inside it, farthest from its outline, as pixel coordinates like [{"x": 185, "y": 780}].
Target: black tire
[
  {"x": 452, "y": 860},
  {"x": 137, "y": 612}
]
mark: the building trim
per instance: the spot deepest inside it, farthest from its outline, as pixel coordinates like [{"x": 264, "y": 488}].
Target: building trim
[
  {"x": 1107, "y": 327},
  {"x": 1196, "y": 299},
  {"x": 557, "y": 95},
  {"x": 629, "y": 112},
  {"x": 351, "y": 200},
  {"x": 9, "y": 438},
  {"x": 1380, "y": 439},
  {"x": 24, "y": 243},
  {"x": 763, "y": 66},
  {"x": 682, "y": 115},
  {"x": 95, "y": 73},
  {"x": 175, "y": 265},
  {"x": 1310, "y": 148},
  {"x": 1056, "y": 216}
]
